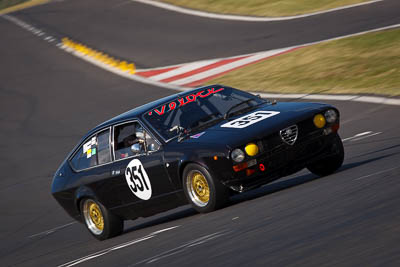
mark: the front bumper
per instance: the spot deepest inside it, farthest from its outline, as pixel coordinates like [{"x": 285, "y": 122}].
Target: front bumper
[{"x": 280, "y": 159}]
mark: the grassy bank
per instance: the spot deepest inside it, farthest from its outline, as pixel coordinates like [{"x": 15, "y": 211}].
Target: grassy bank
[
  {"x": 270, "y": 8},
  {"x": 8, "y": 3},
  {"x": 367, "y": 64}
]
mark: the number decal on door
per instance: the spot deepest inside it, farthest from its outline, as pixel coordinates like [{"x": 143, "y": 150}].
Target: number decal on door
[
  {"x": 137, "y": 180},
  {"x": 250, "y": 119}
]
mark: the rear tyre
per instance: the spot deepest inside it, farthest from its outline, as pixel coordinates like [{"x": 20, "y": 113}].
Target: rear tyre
[
  {"x": 331, "y": 163},
  {"x": 100, "y": 222},
  {"x": 205, "y": 193}
]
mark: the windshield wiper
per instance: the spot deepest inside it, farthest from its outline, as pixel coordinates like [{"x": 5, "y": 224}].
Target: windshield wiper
[
  {"x": 177, "y": 128},
  {"x": 226, "y": 115},
  {"x": 182, "y": 132},
  {"x": 199, "y": 124},
  {"x": 206, "y": 121}
]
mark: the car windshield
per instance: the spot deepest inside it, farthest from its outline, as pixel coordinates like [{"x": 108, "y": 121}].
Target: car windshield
[{"x": 199, "y": 108}]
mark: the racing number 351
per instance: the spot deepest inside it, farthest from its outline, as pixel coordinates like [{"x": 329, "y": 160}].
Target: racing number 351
[
  {"x": 137, "y": 180},
  {"x": 136, "y": 173},
  {"x": 250, "y": 119}
]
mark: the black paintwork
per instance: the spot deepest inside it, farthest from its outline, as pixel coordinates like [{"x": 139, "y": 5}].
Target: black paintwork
[{"x": 108, "y": 185}]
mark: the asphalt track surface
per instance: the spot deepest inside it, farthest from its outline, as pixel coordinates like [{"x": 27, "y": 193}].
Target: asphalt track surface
[{"x": 49, "y": 99}]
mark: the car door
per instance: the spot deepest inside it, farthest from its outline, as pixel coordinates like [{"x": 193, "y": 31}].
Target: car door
[{"x": 144, "y": 185}]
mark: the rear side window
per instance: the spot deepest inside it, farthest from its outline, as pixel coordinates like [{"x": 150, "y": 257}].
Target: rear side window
[
  {"x": 94, "y": 151},
  {"x": 103, "y": 147}
]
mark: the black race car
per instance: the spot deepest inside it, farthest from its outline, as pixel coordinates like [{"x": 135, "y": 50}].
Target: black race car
[{"x": 198, "y": 146}]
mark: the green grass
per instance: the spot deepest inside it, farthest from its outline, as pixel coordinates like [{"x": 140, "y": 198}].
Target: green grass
[
  {"x": 263, "y": 7},
  {"x": 8, "y": 3},
  {"x": 366, "y": 64}
]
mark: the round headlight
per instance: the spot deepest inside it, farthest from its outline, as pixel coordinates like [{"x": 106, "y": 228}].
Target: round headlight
[
  {"x": 330, "y": 115},
  {"x": 319, "y": 121},
  {"x": 237, "y": 155},
  {"x": 251, "y": 149}
]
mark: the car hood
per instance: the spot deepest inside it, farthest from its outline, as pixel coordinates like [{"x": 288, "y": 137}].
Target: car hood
[{"x": 274, "y": 118}]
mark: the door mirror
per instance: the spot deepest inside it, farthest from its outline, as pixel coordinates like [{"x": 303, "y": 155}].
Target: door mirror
[
  {"x": 135, "y": 148},
  {"x": 151, "y": 147}
]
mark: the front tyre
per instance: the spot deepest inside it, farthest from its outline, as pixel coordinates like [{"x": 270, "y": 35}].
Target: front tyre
[
  {"x": 331, "y": 163},
  {"x": 100, "y": 222},
  {"x": 205, "y": 193}
]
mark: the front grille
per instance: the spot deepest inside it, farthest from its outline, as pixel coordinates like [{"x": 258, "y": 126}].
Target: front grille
[{"x": 289, "y": 134}]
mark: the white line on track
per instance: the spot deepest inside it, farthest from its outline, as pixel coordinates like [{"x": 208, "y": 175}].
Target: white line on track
[
  {"x": 30, "y": 28},
  {"x": 114, "y": 248},
  {"x": 242, "y": 18},
  {"x": 361, "y": 136},
  {"x": 375, "y": 173},
  {"x": 357, "y": 135},
  {"x": 44, "y": 233},
  {"x": 182, "y": 248}
]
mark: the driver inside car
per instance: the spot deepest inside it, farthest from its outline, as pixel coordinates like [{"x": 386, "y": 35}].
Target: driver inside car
[{"x": 131, "y": 144}]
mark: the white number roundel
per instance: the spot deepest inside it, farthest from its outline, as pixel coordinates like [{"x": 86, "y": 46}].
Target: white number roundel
[{"x": 137, "y": 180}]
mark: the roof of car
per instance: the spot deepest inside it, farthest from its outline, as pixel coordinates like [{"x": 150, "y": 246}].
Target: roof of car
[{"x": 136, "y": 112}]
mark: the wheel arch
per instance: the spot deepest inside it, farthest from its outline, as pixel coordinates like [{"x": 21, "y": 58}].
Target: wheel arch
[
  {"x": 82, "y": 193},
  {"x": 183, "y": 165}
]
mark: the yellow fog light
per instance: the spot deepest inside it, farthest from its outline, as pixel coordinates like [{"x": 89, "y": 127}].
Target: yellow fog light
[
  {"x": 251, "y": 149},
  {"x": 319, "y": 121}
]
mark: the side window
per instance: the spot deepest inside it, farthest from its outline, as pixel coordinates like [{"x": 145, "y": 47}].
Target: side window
[
  {"x": 86, "y": 156},
  {"x": 103, "y": 147},
  {"x": 94, "y": 151},
  {"x": 131, "y": 139}
]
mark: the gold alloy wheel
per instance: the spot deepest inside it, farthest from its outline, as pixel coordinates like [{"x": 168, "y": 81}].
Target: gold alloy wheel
[
  {"x": 198, "y": 188},
  {"x": 96, "y": 216},
  {"x": 93, "y": 217}
]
